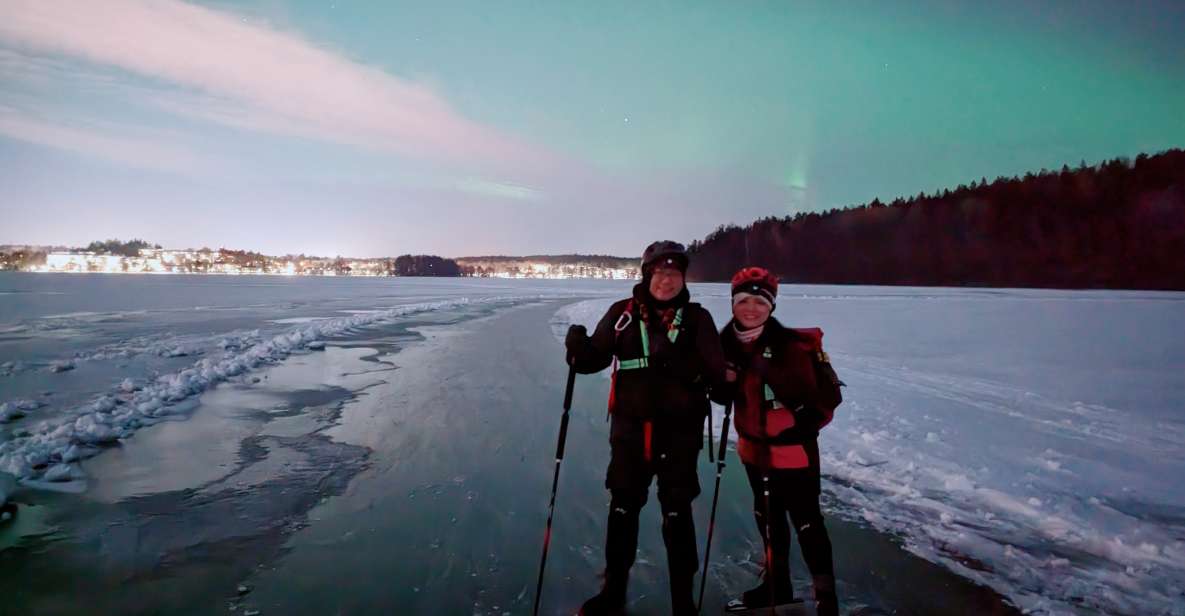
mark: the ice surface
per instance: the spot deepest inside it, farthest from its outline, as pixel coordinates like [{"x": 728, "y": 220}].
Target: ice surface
[
  {"x": 1030, "y": 440},
  {"x": 42, "y": 452},
  {"x": 7, "y": 487},
  {"x": 1033, "y": 441}
]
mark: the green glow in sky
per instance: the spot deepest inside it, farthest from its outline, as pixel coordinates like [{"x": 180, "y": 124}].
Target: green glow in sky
[{"x": 680, "y": 115}]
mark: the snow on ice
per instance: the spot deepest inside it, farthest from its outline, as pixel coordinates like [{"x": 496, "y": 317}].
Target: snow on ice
[{"x": 977, "y": 459}]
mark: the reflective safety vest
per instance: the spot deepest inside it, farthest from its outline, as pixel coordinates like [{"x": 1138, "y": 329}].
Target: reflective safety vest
[
  {"x": 644, "y": 361},
  {"x": 623, "y": 322}
]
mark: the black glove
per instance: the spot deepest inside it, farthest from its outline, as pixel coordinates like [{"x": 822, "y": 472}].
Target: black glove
[
  {"x": 575, "y": 340},
  {"x": 806, "y": 421}
]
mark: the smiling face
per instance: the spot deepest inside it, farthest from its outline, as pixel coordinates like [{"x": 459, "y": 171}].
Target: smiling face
[
  {"x": 751, "y": 311},
  {"x": 665, "y": 283}
]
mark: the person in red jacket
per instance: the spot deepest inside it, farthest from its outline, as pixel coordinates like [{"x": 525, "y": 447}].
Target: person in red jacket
[{"x": 784, "y": 392}]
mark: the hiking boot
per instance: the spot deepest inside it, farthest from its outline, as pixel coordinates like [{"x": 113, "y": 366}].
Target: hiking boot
[
  {"x": 759, "y": 597},
  {"x": 610, "y": 601},
  {"x": 826, "y": 603},
  {"x": 682, "y": 603}
]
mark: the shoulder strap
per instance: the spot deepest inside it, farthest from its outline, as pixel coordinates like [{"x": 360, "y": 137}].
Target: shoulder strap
[
  {"x": 673, "y": 331},
  {"x": 623, "y": 323},
  {"x": 771, "y": 401}
]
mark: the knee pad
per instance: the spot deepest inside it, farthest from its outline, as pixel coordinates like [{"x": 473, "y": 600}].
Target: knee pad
[
  {"x": 808, "y": 527},
  {"x": 626, "y": 503},
  {"x": 676, "y": 513},
  {"x": 759, "y": 514},
  {"x": 677, "y": 496},
  {"x": 808, "y": 524}
]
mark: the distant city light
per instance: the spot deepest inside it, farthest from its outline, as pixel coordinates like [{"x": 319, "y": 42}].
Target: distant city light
[{"x": 224, "y": 262}]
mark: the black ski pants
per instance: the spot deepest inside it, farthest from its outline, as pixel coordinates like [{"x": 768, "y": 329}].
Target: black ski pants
[
  {"x": 793, "y": 493},
  {"x": 628, "y": 481}
]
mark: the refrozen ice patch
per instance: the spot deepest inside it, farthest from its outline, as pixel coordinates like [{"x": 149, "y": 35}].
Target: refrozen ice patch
[
  {"x": 296, "y": 320},
  {"x": 170, "y": 345},
  {"x": 63, "y": 472},
  {"x": 130, "y": 405},
  {"x": 73, "y": 319},
  {"x": 61, "y": 365},
  {"x": 10, "y": 368},
  {"x": 161, "y": 346},
  {"x": 15, "y": 409}
]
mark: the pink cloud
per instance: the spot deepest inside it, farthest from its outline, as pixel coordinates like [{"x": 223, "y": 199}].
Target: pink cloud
[
  {"x": 152, "y": 153},
  {"x": 264, "y": 79}
]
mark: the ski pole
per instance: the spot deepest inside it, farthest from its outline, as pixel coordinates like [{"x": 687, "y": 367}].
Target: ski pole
[
  {"x": 555, "y": 482},
  {"x": 711, "y": 446},
  {"x": 769, "y": 554},
  {"x": 699, "y": 606}
]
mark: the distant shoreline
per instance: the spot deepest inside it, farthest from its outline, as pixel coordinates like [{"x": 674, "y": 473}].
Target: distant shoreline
[
  {"x": 541, "y": 278},
  {"x": 135, "y": 260},
  {"x": 279, "y": 275}
]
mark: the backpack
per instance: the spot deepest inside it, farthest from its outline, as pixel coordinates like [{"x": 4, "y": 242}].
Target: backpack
[{"x": 810, "y": 339}]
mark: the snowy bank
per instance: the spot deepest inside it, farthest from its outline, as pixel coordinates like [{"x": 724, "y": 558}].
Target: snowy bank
[
  {"x": 965, "y": 444},
  {"x": 16, "y": 409}
]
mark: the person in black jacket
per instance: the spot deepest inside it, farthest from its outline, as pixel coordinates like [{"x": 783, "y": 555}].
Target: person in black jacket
[{"x": 666, "y": 355}]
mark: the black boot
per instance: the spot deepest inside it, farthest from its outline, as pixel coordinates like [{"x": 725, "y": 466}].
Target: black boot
[
  {"x": 759, "y": 597},
  {"x": 775, "y": 587},
  {"x": 678, "y": 533},
  {"x": 826, "y": 603},
  {"x": 621, "y": 544},
  {"x": 610, "y": 601},
  {"x": 682, "y": 594}
]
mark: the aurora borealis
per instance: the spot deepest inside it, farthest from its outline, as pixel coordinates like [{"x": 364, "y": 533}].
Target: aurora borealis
[{"x": 372, "y": 129}]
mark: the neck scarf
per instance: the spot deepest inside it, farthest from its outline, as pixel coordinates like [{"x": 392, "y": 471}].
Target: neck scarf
[{"x": 746, "y": 336}]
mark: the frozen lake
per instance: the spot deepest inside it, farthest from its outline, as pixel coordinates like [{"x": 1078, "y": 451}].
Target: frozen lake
[{"x": 1029, "y": 441}]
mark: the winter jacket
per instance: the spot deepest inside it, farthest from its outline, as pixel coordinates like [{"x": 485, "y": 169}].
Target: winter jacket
[
  {"x": 778, "y": 433},
  {"x": 672, "y": 391}
]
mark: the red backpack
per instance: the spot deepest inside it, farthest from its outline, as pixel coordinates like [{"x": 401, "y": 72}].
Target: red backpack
[{"x": 810, "y": 339}]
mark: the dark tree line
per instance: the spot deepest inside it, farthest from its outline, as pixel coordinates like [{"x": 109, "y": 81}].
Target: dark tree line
[
  {"x": 570, "y": 259},
  {"x": 1120, "y": 224},
  {"x": 244, "y": 258},
  {"x": 130, "y": 248},
  {"x": 425, "y": 265}
]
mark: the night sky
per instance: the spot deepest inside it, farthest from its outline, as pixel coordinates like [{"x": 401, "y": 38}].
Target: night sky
[{"x": 382, "y": 128}]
